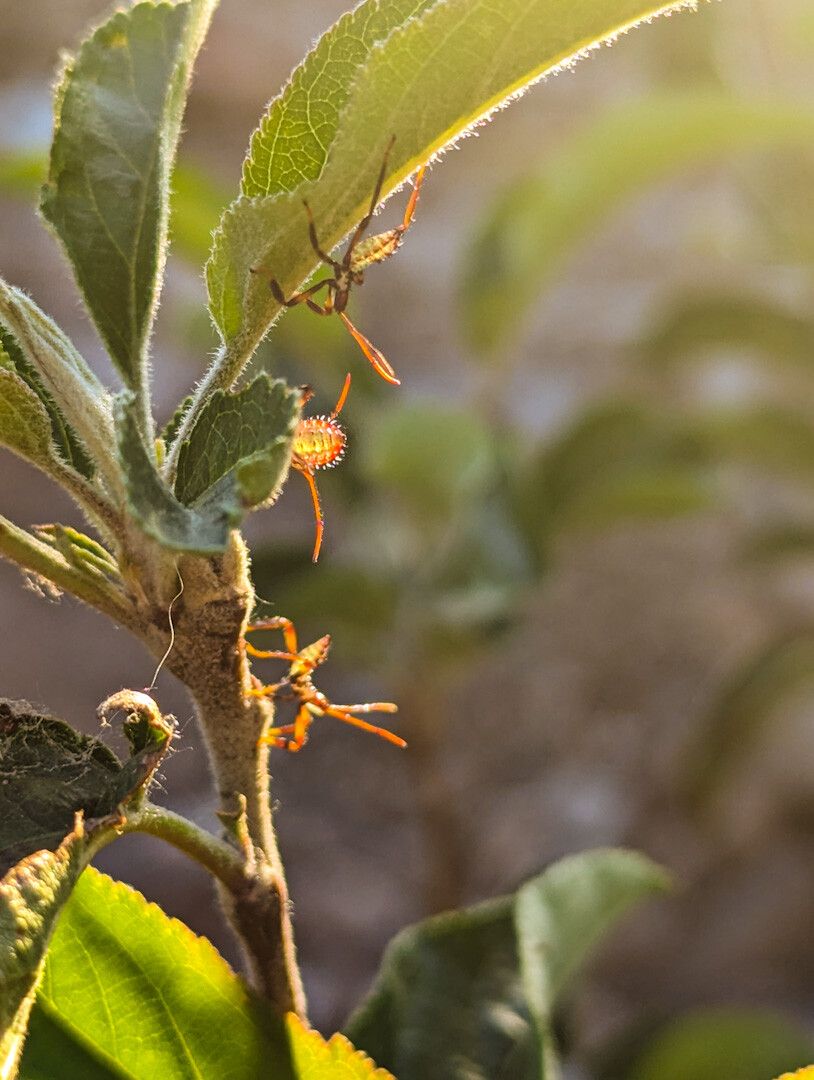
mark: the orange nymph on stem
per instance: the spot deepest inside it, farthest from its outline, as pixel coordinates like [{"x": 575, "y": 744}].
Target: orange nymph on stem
[{"x": 298, "y": 684}]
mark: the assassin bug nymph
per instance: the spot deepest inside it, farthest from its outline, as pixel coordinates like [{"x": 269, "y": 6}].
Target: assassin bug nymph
[
  {"x": 350, "y": 270},
  {"x": 298, "y": 684},
  {"x": 319, "y": 443}
]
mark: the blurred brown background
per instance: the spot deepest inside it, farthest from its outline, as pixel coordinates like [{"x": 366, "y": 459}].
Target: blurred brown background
[{"x": 577, "y": 695}]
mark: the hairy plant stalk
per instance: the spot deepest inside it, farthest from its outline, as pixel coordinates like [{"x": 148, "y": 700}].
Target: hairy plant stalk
[{"x": 209, "y": 657}]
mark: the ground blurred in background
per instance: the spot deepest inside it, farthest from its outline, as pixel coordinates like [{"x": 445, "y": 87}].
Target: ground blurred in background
[{"x": 577, "y": 545}]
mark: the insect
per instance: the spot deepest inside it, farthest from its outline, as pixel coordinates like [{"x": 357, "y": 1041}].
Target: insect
[
  {"x": 299, "y": 685},
  {"x": 319, "y": 443},
  {"x": 359, "y": 254}
]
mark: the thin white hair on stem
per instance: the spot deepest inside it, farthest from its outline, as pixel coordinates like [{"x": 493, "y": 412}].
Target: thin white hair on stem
[{"x": 169, "y": 648}]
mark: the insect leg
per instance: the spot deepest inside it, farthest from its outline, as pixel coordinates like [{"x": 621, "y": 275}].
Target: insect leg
[
  {"x": 272, "y": 737},
  {"x": 277, "y": 622},
  {"x": 380, "y": 363},
  {"x": 343, "y": 397},
  {"x": 312, "y": 233},
  {"x": 354, "y": 721},
  {"x": 312, "y": 484},
  {"x": 374, "y": 201},
  {"x": 409, "y": 212}
]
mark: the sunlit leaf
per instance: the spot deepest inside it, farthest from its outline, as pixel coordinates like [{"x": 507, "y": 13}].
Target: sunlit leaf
[
  {"x": 134, "y": 993},
  {"x": 542, "y": 218},
  {"x": 425, "y": 83},
  {"x": 314, "y": 1058}
]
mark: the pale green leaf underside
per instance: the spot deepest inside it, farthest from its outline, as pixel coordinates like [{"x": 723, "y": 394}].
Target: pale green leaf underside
[
  {"x": 561, "y": 917},
  {"x": 25, "y": 426},
  {"x": 75, "y": 399},
  {"x": 541, "y": 220},
  {"x": 240, "y": 445},
  {"x": 292, "y": 141},
  {"x": 425, "y": 84},
  {"x": 117, "y": 124},
  {"x": 137, "y": 993},
  {"x": 153, "y": 504}
]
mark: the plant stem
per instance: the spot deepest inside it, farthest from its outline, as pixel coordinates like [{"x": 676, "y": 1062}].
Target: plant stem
[
  {"x": 219, "y": 858},
  {"x": 209, "y": 657}
]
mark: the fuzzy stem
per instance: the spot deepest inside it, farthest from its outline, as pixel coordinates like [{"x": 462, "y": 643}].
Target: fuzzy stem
[{"x": 209, "y": 656}]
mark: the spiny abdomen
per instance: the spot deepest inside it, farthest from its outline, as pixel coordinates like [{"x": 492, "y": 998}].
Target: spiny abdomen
[{"x": 319, "y": 442}]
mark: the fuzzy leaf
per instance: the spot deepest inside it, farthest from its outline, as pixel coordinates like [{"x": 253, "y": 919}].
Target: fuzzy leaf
[
  {"x": 32, "y": 894},
  {"x": 291, "y": 143},
  {"x": 471, "y": 993},
  {"x": 77, "y": 403},
  {"x": 24, "y": 424},
  {"x": 240, "y": 447},
  {"x": 118, "y": 119},
  {"x": 153, "y": 504},
  {"x": 137, "y": 994},
  {"x": 426, "y": 83},
  {"x": 62, "y": 436},
  {"x": 541, "y": 219}
]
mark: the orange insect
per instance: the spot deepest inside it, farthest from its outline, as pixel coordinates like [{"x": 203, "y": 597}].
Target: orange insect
[
  {"x": 299, "y": 683},
  {"x": 359, "y": 254},
  {"x": 319, "y": 443}
]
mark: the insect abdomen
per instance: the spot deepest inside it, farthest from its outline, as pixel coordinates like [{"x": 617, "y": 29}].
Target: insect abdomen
[
  {"x": 375, "y": 249},
  {"x": 319, "y": 442}
]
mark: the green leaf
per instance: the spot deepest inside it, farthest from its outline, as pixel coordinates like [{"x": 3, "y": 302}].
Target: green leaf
[
  {"x": 32, "y": 894},
  {"x": 562, "y": 916},
  {"x": 615, "y": 461},
  {"x": 61, "y": 439},
  {"x": 317, "y": 1059},
  {"x": 696, "y": 326},
  {"x": 25, "y": 426},
  {"x": 118, "y": 117},
  {"x": 61, "y": 794},
  {"x": 196, "y": 201},
  {"x": 431, "y": 456},
  {"x": 724, "y": 1044},
  {"x": 240, "y": 447},
  {"x": 51, "y": 772},
  {"x": 155, "y": 507},
  {"x": 471, "y": 993},
  {"x": 77, "y": 403},
  {"x": 138, "y": 995},
  {"x": 743, "y": 712},
  {"x": 542, "y": 219},
  {"x": 426, "y": 83},
  {"x": 291, "y": 143}
]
